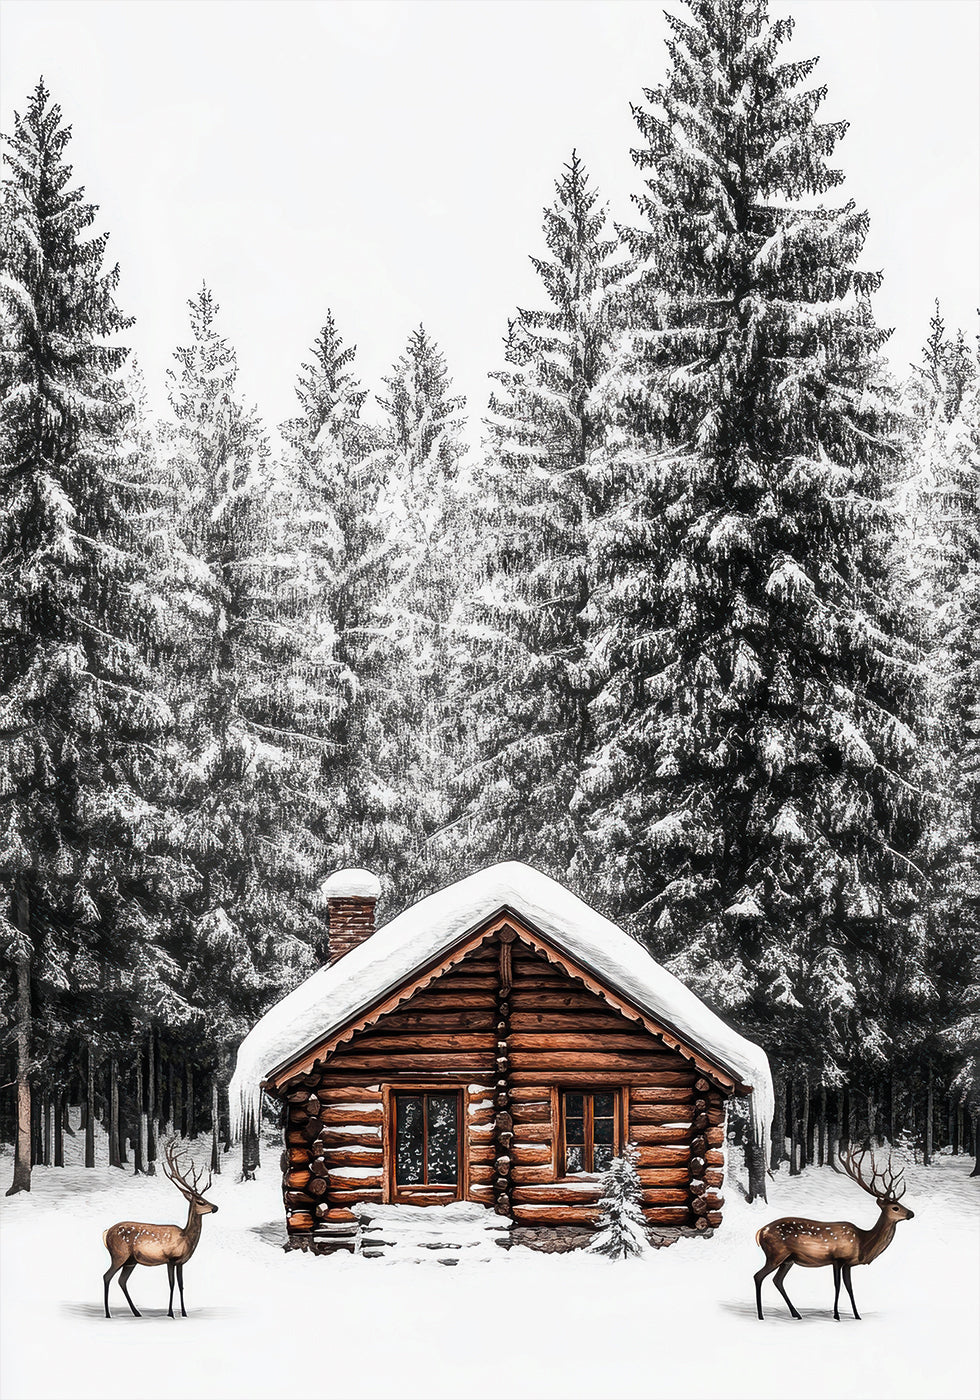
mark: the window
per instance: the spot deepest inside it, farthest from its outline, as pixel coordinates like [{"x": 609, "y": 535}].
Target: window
[
  {"x": 426, "y": 1139},
  {"x": 590, "y": 1130}
]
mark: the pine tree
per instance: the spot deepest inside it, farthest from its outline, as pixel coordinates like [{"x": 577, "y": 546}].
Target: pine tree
[
  {"x": 424, "y": 512},
  {"x": 622, "y": 1232},
  {"x": 254, "y": 688},
  {"x": 751, "y": 805},
  {"x": 530, "y": 720},
  {"x": 81, "y": 724}
]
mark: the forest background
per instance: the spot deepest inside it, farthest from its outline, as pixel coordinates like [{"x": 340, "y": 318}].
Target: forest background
[{"x": 688, "y": 618}]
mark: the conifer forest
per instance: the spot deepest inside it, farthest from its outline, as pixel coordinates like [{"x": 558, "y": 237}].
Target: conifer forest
[{"x": 686, "y": 614}]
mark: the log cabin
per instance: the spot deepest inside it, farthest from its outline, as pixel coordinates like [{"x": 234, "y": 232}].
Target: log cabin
[{"x": 496, "y": 1043}]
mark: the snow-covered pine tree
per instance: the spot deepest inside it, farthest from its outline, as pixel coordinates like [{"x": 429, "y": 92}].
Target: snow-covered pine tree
[
  {"x": 424, "y": 513},
  {"x": 338, "y": 477},
  {"x": 82, "y": 727},
  {"x": 254, "y": 692},
  {"x": 533, "y": 673},
  {"x": 751, "y": 802},
  {"x": 622, "y": 1228},
  {"x": 942, "y": 503}
]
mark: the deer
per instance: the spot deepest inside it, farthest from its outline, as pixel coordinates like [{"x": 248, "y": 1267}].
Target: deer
[
  {"x": 130, "y": 1243},
  {"x": 814, "y": 1243}
]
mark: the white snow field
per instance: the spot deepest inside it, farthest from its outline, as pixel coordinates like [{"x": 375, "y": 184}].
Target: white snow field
[{"x": 263, "y": 1323}]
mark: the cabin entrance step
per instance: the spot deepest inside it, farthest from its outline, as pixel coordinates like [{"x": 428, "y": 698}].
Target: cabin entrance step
[{"x": 456, "y": 1232}]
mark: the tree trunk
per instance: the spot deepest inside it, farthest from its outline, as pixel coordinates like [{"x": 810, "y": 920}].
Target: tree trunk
[
  {"x": 794, "y": 1133},
  {"x": 114, "y": 1158},
  {"x": 806, "y": 1135},
  {"x": 180, "y": 1124},
  {"x": 139, "y": 1145},
  {"x": 22, "y": 1155},
  {"x": 48, "y": 1125},
  {"x": 37, "y": 1147},
  {"x": 90, "y": 1108},
  {"x": 151, "y": 1122},
  {"x": 822, "y": 1128},
  {"x": 171, "y": 1117},
  {"x": 215, "y": 1154},
  {"x": 778, "y": 1123},
  {"x": 755, "y": 1159},
  {"x": 892, "y": 1100},
  {"x": 250, "y": 1148},
  {"x": 927, "y": 1137},
  {"x": 976, "y": 1144},
  {"x": 191, "y": 1125},
  {"x": 59, "y": 1131}
]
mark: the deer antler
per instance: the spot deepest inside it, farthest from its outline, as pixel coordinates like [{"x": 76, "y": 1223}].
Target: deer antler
[
  {"x": 178, "y": 1173},
  {"x": 884, "y": 1183}
]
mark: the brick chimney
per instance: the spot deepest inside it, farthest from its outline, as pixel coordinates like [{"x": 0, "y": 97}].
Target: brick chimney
[{"x": 351, "y": 896}]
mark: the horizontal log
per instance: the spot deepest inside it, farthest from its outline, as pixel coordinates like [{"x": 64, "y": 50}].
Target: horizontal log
[
  {"x": 664, "y": 1196},
  {"x": 530, "y": 1093},
  {"x": 714, "y": 1158},
  {"x": 439, "y": 1021},
  {"x": 672, "y": 1155},
  {"x": 532, "y": 1132},
  {"x": 662, "y": 1094},
  {"x": 430, "y": 1042},
  {"x": 667, "y": 1215},
  {"x": 716, "y": 1116},
  {"x": 562, "y": 1061},
  {"x": 528, "y": 1214},
  {"x": 482, "y": 1151},
  {"x": 659, "y": 1113},
  {"x": 415, "y": 1196},
  {"x": 297, "y": 1180},
  {"x": 353, "y": 1157},
  {"x": 481, "y": 1171},
  {"x": 531, "y": 1154},
  {"x": 298, "y": 1200},
  {"x": 663, "y": 1176},
  {"x": 299, "y": 1221},
  {"x": 463, "y": 999},
  {"x": 714, "y": 1176},
  {"x": 298, "y": 1115},
  {"x": 716, "y": 1137},
  {"x": 295, "y": 1137},
  {"x": 361, "y": 1135},
  {"x": 331, "y": 1094},
  {"x": 584, "y": 1193},
  {"x": 298, "y": 1156},
  {"x": 417, "y": 1064},
  {"x": 714, "y": 1218},
  {"x": 346, "y": 1115},
  {"x": 657, "y": 1133},
  {"x": 341, "y": 1181},
  {"x": 538, "y": 1111},
  {"x": 523, "y": 1175},
  {"x": 579, "y": 1042},
  {"x": 317, "y": 1186},
  {"x": 556, "y": 998},
  {"x": 597, "y": 1020},
  {"x": 595, "y": 1078},
  {"x": 346, "y": 1197}
]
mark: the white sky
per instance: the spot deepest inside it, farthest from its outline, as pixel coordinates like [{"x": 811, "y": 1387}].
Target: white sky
[{"x": 391, "y": 160}]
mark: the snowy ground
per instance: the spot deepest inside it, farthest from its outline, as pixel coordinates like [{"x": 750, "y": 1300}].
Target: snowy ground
[{"x": 266, "y": 1324}]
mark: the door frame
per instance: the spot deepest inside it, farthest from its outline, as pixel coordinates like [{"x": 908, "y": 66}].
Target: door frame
[{"x": 395, "y": 1195}]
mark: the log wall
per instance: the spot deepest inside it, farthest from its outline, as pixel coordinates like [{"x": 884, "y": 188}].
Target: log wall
[{"x": 510, "y": 1051}]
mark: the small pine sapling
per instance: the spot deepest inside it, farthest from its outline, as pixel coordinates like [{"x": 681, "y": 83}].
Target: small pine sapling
[{"x": 622, "y": 1232}]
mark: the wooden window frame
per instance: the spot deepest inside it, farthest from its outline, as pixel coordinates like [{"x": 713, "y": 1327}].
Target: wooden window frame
[
  {"x": 393, "y": 1193},
  {"x": 588, "y": 1096}
]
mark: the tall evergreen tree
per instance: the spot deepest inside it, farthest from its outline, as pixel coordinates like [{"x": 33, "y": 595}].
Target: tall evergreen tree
[
  {"x": 424, "y": 511},
  {"x": 529, "y": 710},
  {"x": 751, "y": 806},
  {"x": 81, "y": 723}
]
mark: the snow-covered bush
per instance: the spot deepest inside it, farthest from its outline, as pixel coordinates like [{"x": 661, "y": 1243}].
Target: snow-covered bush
[{"x": 622, "y": 1231}]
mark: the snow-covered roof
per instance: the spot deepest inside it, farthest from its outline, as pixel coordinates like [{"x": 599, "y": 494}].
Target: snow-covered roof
[
  {"x": 351, "y": 884},
  {"x": 340, "y": 992}
]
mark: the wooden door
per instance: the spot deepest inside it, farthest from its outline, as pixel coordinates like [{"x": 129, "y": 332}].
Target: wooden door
[{"x": 425, "y": 1160}]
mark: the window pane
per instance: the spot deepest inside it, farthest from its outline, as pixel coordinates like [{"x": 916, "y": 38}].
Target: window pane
[
  {"x": 605, "y": 1105},
  {"x": 409, "y": 1128},
  {"x": 574, "y": 1130},
  {"x": 574, "y": 1105},
  {"x": 442, "y": 1138},
  {"x": 602, "y": 1156},
  {"x": 573, "y": 1159},
  {"x": 604, "y": 1130}
]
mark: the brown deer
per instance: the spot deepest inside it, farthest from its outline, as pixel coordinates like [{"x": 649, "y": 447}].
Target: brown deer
[
  {"x": 813, "y": 1243},
  {"x": 130, "y": 1243}
]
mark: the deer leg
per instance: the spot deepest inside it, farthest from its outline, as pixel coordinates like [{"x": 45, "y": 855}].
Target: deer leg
[
  {"x": 837, "y": 1271},
  {"x": 180, "y": 1285},
  {"x": 850, "y": 1290},
  {"x": 123, "y": 1280},
  {"x": 759, "y": 1278},
  {"x": 107, "y": 1278},
  {"x": 781, "y": 1273},
  {"x": 170, "y": 1277}
]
